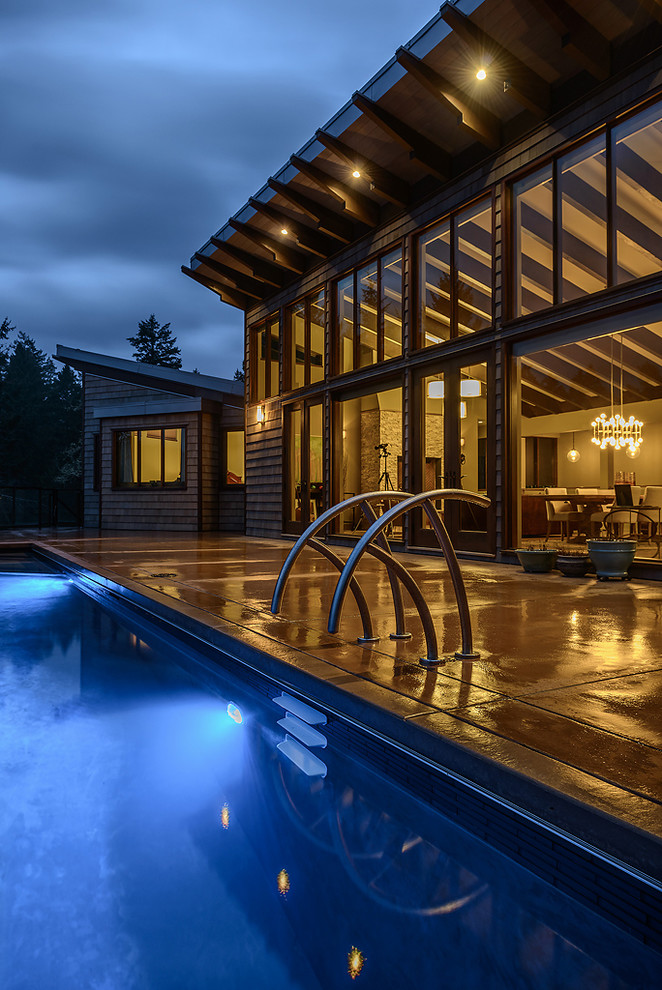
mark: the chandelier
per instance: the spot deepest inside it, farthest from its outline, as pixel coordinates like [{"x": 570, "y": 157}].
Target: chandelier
[{"x": 617, "y": 432}]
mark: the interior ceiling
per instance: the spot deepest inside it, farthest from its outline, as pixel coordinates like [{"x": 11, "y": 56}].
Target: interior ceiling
[
  {"x": 431, "y": 122},
  {"x": 580, "y": 376}
]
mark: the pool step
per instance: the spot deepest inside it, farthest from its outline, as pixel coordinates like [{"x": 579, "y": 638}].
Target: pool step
[
  {"x": 311, "y": 765},
  {"x": 304, "y": 732},
  {"x": 300, "y": 709}
]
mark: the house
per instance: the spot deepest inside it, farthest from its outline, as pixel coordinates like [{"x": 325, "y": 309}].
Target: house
[
  {"x": 457, "y": 283},
  {"x": 163, "y": 449}
]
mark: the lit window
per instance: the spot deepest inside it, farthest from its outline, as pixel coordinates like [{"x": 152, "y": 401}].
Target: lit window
[{"x": 153, "y": 458}]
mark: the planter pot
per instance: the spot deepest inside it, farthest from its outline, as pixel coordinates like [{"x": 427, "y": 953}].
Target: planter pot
[
  {"x": 611, "y": 557},
  {"x": 537, "y": 561},
  {"x": 574, "y": 566}
]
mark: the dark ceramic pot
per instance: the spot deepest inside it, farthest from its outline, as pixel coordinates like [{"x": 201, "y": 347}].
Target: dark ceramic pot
[
  {"x": 574, "y": 566},
  {"x": 612, "y": 558},
  {"x": 537, "y": 561}
]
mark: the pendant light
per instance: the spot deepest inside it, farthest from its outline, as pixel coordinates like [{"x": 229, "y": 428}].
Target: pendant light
[
  {"x": 617, "y": 431},
  {"x": 573, "y": 454}
]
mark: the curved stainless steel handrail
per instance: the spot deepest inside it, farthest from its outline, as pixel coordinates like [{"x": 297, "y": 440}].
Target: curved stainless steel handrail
[
  {"x": 426, "y": 500},
  {"x": 307, "y": 539}
]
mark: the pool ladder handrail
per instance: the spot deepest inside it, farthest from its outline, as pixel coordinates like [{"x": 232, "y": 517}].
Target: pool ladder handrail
[{"x": 374, "y": 542}]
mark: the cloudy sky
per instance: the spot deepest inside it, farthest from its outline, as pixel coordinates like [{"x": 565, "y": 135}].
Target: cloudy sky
[{"x": 132, "y": 129}]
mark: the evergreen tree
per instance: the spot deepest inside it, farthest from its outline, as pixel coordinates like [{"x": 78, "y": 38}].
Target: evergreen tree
[
  {"x": 66, "y": 402},
  {"x": 155, "y": 344},
  {"x": 26, "y": 431},
  {"x": 40, "y": 418}
]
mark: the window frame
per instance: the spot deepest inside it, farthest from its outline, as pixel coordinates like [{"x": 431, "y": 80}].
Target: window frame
[
  {"x": 307, "y": 302},
  {"x": 418, "y": 336},
  {"x": 161, "y": 485},
  {"x": 356, "y": 305},
  {"x": 264, "y": 326},
  {"x": 607, "y": 129}
]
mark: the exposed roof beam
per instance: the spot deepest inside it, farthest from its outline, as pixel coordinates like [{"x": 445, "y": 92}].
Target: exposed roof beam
[
  {"x": 327, "y": 221},
  {"x": 282, "y": 254},
  {"x": 520, "y": 82},
  {"x": 428, "y": 154},
  {"x": 654, "y": 8},
  {"x": 579, "y": 38},
  {"x": 245, "y": 283},
  {"x": 306, "y": 237},
  {"x": 383, "y": 182},
  {"x": 481, "y": 124},
  {"x": 227, "y": 295},
  {"x": 355, "y": 203},
  {"x": 264, "y": 270}
]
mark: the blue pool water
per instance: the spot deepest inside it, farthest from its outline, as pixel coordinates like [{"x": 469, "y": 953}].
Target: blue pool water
[{"x": 150, "y": 842}]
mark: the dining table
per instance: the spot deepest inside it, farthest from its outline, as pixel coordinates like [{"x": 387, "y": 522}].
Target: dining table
[{"x": 584, "y": 504}]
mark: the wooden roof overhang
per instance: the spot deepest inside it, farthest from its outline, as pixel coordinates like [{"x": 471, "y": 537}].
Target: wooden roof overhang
[{"x": 423, "y": 119}]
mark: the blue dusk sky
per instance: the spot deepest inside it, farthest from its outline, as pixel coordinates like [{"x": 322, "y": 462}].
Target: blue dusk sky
[{"x": 132, "y": 130}]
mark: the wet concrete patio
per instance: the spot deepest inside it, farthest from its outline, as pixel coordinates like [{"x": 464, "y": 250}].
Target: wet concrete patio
[{"x": 566, "y": 696}]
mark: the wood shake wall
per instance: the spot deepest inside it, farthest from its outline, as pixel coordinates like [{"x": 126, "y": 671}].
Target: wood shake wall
[{"x": 199, "y": 504}]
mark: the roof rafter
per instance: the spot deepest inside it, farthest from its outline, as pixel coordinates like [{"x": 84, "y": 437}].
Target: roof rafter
[
  {"x": 383, "y": 182},
  {"x": 579, "y": 38},
  {"x": 283, "y": 254},
  {"x": 306, "y": 237},
  {"x": 267, "y": 271},
  {"x": 245, "y": 283},
  {"x": 482, "y": 124},
  {"x": 521, "y": 82},
  {"x": 327, "y": 220},
  {"x": 355, "y": 203},
  {"x": 654, "y": 8},
  {"x": 429, "y": 155},
  {"x": 227, "y": 295}
]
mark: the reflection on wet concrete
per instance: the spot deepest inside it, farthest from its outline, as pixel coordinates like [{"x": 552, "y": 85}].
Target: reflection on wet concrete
[{"x": 570, "y": 674}]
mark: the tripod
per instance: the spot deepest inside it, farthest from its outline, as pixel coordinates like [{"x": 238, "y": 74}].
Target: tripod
[{"x": 384, "y": 476}]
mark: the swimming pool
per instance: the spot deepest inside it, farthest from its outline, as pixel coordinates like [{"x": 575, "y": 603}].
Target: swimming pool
[{"x": 151, "y": 841}]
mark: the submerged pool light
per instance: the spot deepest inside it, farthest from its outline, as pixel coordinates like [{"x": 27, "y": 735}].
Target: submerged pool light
[
  {"x": 225, "y": 816},
  {"x": 234, "y": 713}
]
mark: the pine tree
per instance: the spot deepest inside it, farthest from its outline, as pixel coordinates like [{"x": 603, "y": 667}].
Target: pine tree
[{"x": 155, "y": 344}]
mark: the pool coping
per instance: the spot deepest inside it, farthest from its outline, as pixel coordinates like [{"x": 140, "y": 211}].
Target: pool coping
[{"x": 606, "y": 834}]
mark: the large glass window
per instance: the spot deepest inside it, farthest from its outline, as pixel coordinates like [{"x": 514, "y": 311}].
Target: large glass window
[
  {"x": 234, "y": 457},
  {"x": 265, "y": 353},
  {"x": 305, "y": 322},
  {"x": 638, "y": 164},
  {"x": 583, "y": 227},
  {"x": 561, "y": 234},
  {"x": 369, "y": 451},
  {"x": 150, "y": 458},
  {"x": 533, "y": 211},
  {"x": 455, "y": 275},
  {"x": 368, "y": 313},
  {"x": 571, "y": 487}
]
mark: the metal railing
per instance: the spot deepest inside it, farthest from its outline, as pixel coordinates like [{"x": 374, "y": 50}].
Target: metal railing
[
  {"x": 374, "y": 542},
  {"x": 40, "y": 507}
]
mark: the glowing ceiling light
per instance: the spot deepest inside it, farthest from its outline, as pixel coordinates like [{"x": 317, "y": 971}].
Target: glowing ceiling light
[
  {"x": 436, "y": 389},
  {"x": 481, "y": 74},
  {"x": 283, "y": 231},
  {"x": 356, "y": 173},
  {"x": 355, "y": 962}
]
